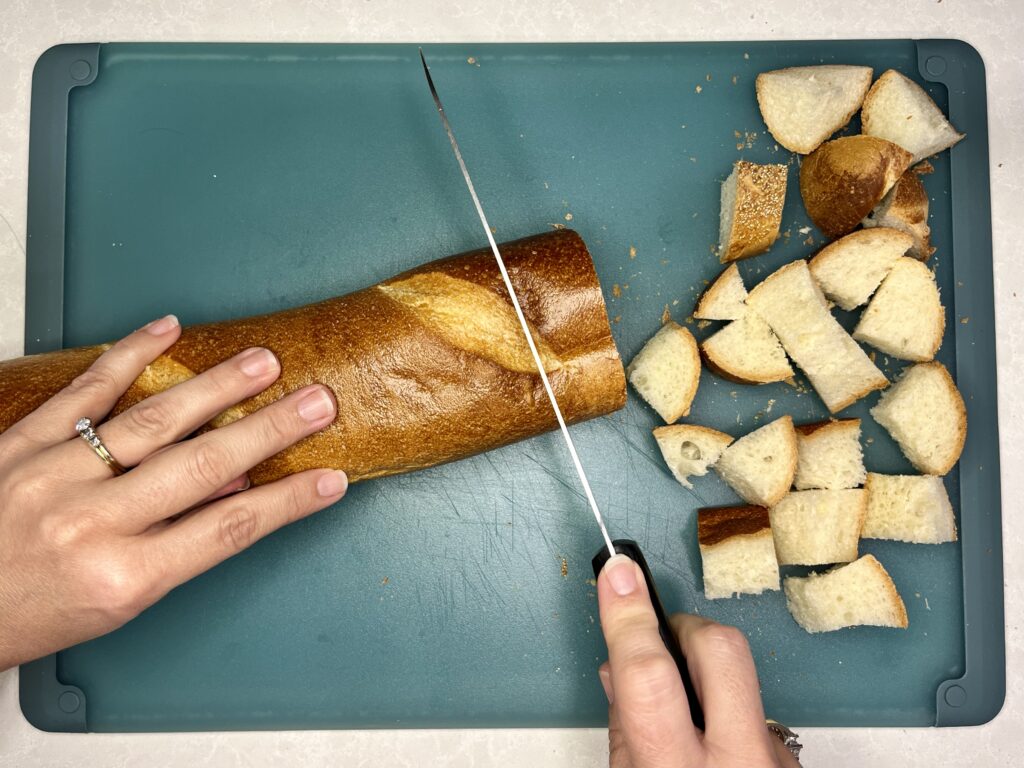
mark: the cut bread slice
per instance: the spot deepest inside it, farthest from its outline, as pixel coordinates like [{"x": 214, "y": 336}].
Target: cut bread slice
[
  {"x": 790, "y": 301},
  {"x": 843, "y": 180},
  {"x": 737, "y": 551},
  {"x": 752, "y": 199},
  {"x": 818, "y": 527},
  {"x": 925, "y": 414},
  {"x": 905, "y": 318},
  {"x": 905, "y": 207},
  {"x": 689, "y": 449},
  {"x": 666, "y": 371},
  {"x": 859, "y": 594},
  {"x": 913, "y": 508},
  {"x": 803, "y": 106},
  {"x": 760, "y": 465},
  {"x": 829, "y": 455},
  {"x": 899, "y": 110},
  {"x": 851, "y": 268},
  {"x": 746, "y": 351},
  {"x": 723, "y": 299}
]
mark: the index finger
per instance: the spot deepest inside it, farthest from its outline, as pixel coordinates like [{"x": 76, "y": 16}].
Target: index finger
[{"x": 649, "y": 695}]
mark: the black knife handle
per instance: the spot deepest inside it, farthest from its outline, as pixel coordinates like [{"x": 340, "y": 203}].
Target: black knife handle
[{"x": 631, "y": 549}]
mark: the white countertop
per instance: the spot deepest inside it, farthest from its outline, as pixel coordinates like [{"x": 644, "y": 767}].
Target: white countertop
[{"x": 28, "y": 27}]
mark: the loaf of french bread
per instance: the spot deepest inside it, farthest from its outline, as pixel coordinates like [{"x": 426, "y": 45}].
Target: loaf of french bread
[{"x": 427, "y": 367}]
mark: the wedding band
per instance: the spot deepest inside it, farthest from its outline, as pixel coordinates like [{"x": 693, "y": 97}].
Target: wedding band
[
  {"x": 786, "y": 736},
  {"x": 85, "y": 431}
]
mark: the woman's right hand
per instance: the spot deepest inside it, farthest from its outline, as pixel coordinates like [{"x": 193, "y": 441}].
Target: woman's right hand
[
  {"x": 83, "y": 551},
  {"x": 649, "y": 724}
]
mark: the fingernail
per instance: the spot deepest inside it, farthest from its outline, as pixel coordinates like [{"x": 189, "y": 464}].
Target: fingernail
[
  {"x": 621, "y": 573},
  {"x": 332, "y": 483},
  {"x": 161, "y": 326},
  {"x": 256, "y": 361},
  {"x": 316, "y": 406},
  {"x": 606, "y": 682}
]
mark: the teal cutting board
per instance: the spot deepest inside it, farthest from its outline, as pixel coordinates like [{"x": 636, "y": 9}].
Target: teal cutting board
[{"x": 218, "y": 181}]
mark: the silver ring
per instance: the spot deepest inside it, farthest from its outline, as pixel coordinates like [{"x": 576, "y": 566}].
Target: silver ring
[
  {"x": 786, "y": 736},
  {"x": 85, "y": 431}
]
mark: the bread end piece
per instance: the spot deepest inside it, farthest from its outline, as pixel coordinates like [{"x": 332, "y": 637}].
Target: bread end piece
[
  {"x": 803, "y": 106},
  {"x": 666, "y": 371},
  {"x": 723, "y": 299},
  {"x": 925, "y": 414},
  {"x": 830, "y": 456},
  {"x": 752, "y": 199},
  {"x": 737, "y": 551},
  {"x": 843, "y": 180},
  {"x": 899, "y": 110},
  {"x": 859, "y": 594},
  {"x": 689, "y": 449},
  {"x": 905, "y": 208},
  {"x": 760, "y": 465},
  {"x": 911, "y": 508}
]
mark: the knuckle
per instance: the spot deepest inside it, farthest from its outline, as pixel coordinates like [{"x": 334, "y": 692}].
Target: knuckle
[
  {"x": 115, "y": 589},
  {"x": 279, "y": 426},
  {"x": 648, "y": 671},
  {"x": 208, "y": 462},
  {"x": 96, "y": 380},
  {"x": 151, "y": 418},
  {"x": 26, "y": 487},
  {"x": 63, "y": 530},
  {"x": 720, "y": 639},
  {"x": 238, "y": 528},
  {"x": 298, "y": 500}
]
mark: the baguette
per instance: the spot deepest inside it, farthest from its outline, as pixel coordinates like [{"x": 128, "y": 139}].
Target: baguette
[
  {"x": 898, "y": 109},
  {"x": 803, "y": 106},
  {"x": 723, "y": 299},
  {"x": 905, "y": 207},
  {"x": 752, "y": 199},
  {"x": 924, "y": 412},
  {"x": 689, "y": 449},
  {"x": 791, "y": 303},
  {"x": 859, "y": 594},
  {"x": 851, "y": 268},
  {"x": 736, "y": 551},
  {"x": 431, "y": 365},
  {"x": 843, "y": 180},
  {"x": 905, "y": 318}
]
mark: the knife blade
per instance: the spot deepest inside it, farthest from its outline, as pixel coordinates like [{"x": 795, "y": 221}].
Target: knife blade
[{"x": 620, "y": 546}]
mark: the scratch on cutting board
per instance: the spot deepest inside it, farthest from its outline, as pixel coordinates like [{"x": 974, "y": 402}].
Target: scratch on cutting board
[
  {"x": 659, "y": 464},
  {"x": 555, "y": 476}
]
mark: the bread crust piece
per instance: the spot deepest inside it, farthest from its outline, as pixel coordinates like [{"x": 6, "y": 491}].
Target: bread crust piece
[
  {"x": 757, "y": 210},
  {"x": 716, "y": 524},
  {"x": 843, "y": 180},
  {"x": 890, "y": 302},
  {"x": 689, "y": 391},
  {"x": 409, "y": 397},
  {"x": 905, "y": 208},
  {"x": 825, "y": 128},
  {"x": 673, "y": 435},
  {"x": 886, "y": 246},
  {"x": 712, "y": 302},
  {"x": 956, "y": 402},
  {"x": 715, "y": 351}
]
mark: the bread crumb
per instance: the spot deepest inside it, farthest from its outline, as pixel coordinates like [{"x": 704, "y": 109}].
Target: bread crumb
[
  {"x": 734, "y": 78},
  {"x": 746, "y": 55},
  {"x": 665, "y": 262},
  {"x": 556, "y": 225},
  {"x": 964, "y": 320},
  {"x": 384, "y": 581},
  {"x": 809, "y": 240},
  {"x": 733, "y": 394},
  {"x": 804, "y": 230},
  {"x": 617, "y": 318},
  {"x": 771, "y": 404},
  {"x": 872, "y": 355},
  {"x": 698, "y": 89},
  {"x": 708, "y": 77},
  {"x": 472, "y": 60},
  {"x": 926, "y": 606},
  {"x": 870, "y": 440},
  {"x": 739, "y": 146},
  {"x": 546, "y": 185},
  {"x": 568, "y": 217},
  {"x": 737, "y": 134},
  {"x": 693, "y": 159},
  {"x": 632, "y": 251},
  {"x": 674, "y": 302},
  {"x": 593, "y": 583},
  {"x": 689, "y": 320},
  {"x": 565, "y": 570},
  {"x": 616, "y": 291},
  {"x": 666, "y": 316}
]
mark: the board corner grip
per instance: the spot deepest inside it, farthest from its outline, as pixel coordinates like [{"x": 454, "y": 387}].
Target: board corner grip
[{"x": 48, "y": 704}]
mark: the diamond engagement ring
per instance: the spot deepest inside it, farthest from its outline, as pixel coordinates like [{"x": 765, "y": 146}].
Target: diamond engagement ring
[{"x": 84, "y": 428}]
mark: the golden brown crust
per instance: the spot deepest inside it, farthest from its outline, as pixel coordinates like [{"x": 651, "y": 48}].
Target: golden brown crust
[
  {"x": 843, "y": 180},
  {"x": 831, "y": 424},
  {"x": 408, "y": 397},
  {"x": 716, "y": 524},
  {"x": 760, "y": 194},
  {"x": 909, "y": 207},
  {"x": 719, "y": 367}
]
